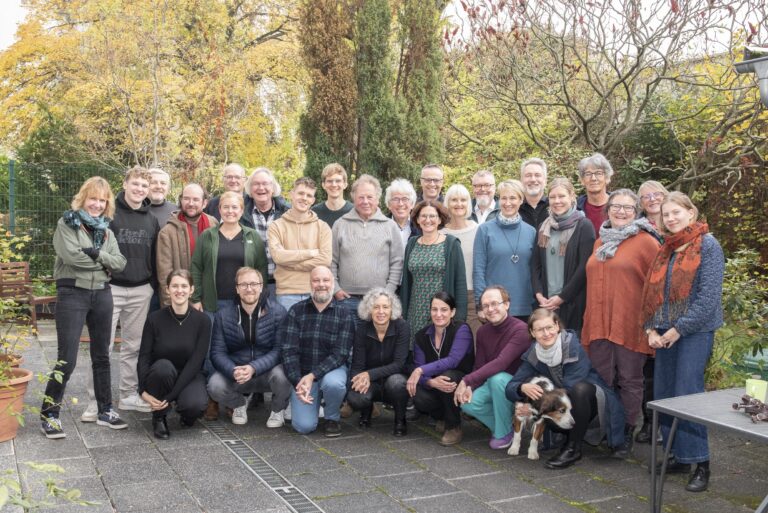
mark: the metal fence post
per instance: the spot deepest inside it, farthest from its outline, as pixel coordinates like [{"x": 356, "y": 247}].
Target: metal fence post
[{"x": 12, "y": 196}]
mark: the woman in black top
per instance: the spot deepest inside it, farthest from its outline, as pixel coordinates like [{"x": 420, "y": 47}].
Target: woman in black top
[
  {"x": 173, "y": 348},
  {"x": 378, "y": 358}
]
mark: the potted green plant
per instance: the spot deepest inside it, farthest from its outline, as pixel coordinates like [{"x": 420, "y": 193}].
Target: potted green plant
[{"x": 13, "y": 379}]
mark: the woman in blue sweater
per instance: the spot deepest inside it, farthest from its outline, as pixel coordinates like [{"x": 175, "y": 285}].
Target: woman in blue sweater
[
  {"x": 503, "y": 253},
  {"x": 682, "y": 305}
]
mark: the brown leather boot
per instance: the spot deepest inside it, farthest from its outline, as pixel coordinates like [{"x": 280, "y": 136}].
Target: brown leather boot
[
  {"x": 212, "y": 411},
  {"x": 452, "y": 436},
  {"x": 346, "y": 410}
]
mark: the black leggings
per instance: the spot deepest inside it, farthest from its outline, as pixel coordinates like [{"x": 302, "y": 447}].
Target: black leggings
[
  {"x": 392, "y": 391},
  {"x": 439, "y": 405},
  {"x": 584, "y": 408}
]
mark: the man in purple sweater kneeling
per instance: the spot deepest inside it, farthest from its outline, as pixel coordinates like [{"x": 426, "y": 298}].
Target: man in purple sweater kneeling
[{"x": 500, "y": 344}]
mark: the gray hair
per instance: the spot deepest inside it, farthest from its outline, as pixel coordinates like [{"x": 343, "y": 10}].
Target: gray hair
[
  {"x": 276, "y": 190},
  {"x": 432, "y": 166},
  {"x": 233, "y": 167},
  {"x": 653, "y": 184},
  {"x": 371, "y": 180},
  {"x": 597, "y": 161},
  {"x": 484, "y": 172},
  {"x": 365, "y": 307},
  {"x": 458, "y": 190},
  {"x": 535, "y": 161},
  {"x": 402, "y": 186},
  {"x": 624, "y": 192}
]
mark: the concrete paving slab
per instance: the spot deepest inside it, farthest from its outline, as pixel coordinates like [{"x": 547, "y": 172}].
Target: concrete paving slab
[
  {"x": 495, "y": 487},
  {"x": 370, "y": 502},
  {"x": 303, "y": 462},
  {"x": 420, "y": 448},
  {"x": 235, "y": 496},
  {"x": 355, "y": 445},
  {"x": 331, "y": 483},
  {"x": 153, "y": 496},
  {"x": 411, "y": 486},
  {"x": 383, "y": 464},
  {"x": 535, "y": 504},
  {"x": 459, "y": 465},
  {"x": 460, "y": 501},
  {"x": 118, "y": 472}
]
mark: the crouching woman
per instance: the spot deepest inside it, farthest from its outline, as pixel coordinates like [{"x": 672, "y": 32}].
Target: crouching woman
[
  {"x": 558, "y": 355},
  {"x": 173, "y": 348}
]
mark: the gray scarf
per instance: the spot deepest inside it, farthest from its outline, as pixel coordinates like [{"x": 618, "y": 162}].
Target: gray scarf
[
  {"x": 612, "y": 237},
  {"x": 553, "y": 356}
]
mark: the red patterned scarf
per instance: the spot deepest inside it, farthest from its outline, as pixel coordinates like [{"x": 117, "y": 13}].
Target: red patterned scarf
[
  {"x": 202, "y": 224},
  {"x": 684, "y": 270}
]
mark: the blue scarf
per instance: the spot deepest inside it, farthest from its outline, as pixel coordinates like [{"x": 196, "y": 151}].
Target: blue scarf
[{"x": 97, "y": 225}]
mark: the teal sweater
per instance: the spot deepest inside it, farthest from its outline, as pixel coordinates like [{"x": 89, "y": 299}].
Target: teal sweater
[
  {"x": 455, "y": 282},
  {"x": 204, "y": 260}
]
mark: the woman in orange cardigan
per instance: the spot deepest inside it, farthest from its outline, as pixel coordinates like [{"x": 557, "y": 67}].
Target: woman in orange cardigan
[{"x": 613, "y": 332}]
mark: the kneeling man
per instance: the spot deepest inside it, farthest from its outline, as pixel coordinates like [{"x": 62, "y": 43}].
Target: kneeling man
[
  {"x": 245, "y": 350},
  {"x": 500, "y": 344},
  {"x": 318, "y": 339}
]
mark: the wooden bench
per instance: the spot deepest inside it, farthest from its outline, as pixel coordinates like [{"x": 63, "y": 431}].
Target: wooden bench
[{"x": 16, "y": 284}]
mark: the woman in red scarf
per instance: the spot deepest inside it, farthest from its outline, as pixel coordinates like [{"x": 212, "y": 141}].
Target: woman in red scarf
[{"x": 682, "y": 308}]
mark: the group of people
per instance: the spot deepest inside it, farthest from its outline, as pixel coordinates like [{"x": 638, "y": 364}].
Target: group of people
[{"x": 446, "y": 305}]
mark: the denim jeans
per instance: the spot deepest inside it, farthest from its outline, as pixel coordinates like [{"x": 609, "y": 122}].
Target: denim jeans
[
  {"x": 331, "y": 389},
  {"x": 76, "y": 307},
  {"x": 680, "y": 371},
  {"x": 288, "y": 300},
  {"x": 352, "y": 303},
  {"x": 490, "y": 405}
]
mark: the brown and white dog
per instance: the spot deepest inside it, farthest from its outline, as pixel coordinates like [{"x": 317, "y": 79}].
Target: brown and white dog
[{"x": 554, "y": 405}]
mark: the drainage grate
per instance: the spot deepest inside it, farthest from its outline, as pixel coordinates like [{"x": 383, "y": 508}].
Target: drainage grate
[{"x": 292, "y": 496}]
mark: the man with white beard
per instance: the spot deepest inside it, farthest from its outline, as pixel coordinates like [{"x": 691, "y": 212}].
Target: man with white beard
[
  {"x": 159, "y": 185},
  {"x": 535, "y": 208},
  {"x": 485, "y": 206}
]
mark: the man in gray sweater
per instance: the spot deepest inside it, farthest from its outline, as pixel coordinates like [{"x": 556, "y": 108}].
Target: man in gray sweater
[{"x": 367, "y": 247}]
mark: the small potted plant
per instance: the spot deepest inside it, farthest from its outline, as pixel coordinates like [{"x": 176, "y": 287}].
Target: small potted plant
[{"x": 13, "y": 379}]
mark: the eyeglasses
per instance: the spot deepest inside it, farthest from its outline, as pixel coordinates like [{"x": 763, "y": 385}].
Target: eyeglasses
[
  {"x": 432, "y": 180},
  {"x": 492, "y": 305},
  {"x": 233, "y": 177},
  {"x": 400, "y": 200},
  {"x": 594, "y": 174},
  {"x": 482, "y": 185},
  {"x": 252, "y": 285},
  {"x": 652, "y": 196},
  {"x": 616, "y": 208},
  {"x": 546, "y": 329},
  {"x": 428, "y": 216}
]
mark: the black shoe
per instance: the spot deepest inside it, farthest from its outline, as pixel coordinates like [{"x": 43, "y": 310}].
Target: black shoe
[
  {"x": 365, "y": 418},
  {"x": 160, "y": 428},
  {"x": 400, "y": 428},
  {"x": 411, "y": 413},
  {"x": 51, "y": 427},
  {"x": 624, "y": 450},
  {"x": 187, "y": 422},
  {"x": 673, "y": 467},
  {"x": 644, "y": 435},
  {"x": 699, "y": 480},
  {"x": 332, "y": 428},
  {"x": 570, "y": 454}
]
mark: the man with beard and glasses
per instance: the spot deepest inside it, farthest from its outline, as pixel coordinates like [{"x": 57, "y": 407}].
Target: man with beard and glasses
[
  {"x": 176, "y": 240},
  {"x": 535, "y": 208},
  {"x": 159, "y": 185},
  {"x": 245, "y": 350},
  {"x": 485, "y": 206},
  {"x": 319, "y": 333}
]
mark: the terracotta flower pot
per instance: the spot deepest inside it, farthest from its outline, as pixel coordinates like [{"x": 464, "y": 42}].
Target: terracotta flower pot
[{"x": 11, "y": 400}]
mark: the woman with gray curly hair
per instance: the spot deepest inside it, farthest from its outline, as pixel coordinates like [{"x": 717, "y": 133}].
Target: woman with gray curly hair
[{"x": 379, "y": 358}]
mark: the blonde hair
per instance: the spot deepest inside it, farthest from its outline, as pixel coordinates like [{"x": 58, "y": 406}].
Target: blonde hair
[
  {"x": 561, "y": 181},
  {"x": 138, "y": 172},
  {"x": 95, "y": 187},
  {"x": 232, "y": 195},
  {"x": 333, "y": 169},
  {"x": 682, "y": 200},
  {"x": 514, "y": 185},
  {"x": 458, "y": 190}
]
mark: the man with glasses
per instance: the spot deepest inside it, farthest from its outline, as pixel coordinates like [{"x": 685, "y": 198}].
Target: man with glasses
[
  {"x": 245, "y": 351},
  {"x": 535, "y": 208},
  {"x": 485, "y": 206},
  {"x": 319, "y": 333},
  {"x": 499, "y": 345},
  {"x": 431, "y": 183},
  {"x": 234, "y": 180},
  {"x": 334, "y": 183},
  {"x": 595, "y": 172},
  {"x": 176, "y": 240}
]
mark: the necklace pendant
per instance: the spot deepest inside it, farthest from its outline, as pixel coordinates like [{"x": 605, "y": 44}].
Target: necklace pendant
[
  {"x": 552, "y": 251},
  {"x": 515, "y": 259}
]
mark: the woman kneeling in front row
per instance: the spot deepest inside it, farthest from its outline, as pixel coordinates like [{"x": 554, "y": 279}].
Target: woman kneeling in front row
[
  {"x": 173, "y": 348},
  {"x": 379, "y": 358},
  {"x": 558, "y": 355}
]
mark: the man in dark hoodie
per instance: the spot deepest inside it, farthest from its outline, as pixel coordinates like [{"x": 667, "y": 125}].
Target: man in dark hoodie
[{"x": 135, "y": 229}]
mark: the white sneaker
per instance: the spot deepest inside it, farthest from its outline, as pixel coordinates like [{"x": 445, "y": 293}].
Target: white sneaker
[
  {"x": 287, "y": 413},
  {"x": 276, "y": 420},
  {"x": 91, "y": 413},
  {"x": 240, "y": 415},
  {"x": 135, "y": 403}
]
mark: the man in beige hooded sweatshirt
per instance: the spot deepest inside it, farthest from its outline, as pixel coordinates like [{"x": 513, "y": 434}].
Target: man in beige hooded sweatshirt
[{"x": 298, "y": 242}]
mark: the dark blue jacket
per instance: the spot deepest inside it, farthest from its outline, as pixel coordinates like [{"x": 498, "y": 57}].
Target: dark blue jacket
[
  {"x": 576, "y": 368},
  {"x": 229, "y": 348}
]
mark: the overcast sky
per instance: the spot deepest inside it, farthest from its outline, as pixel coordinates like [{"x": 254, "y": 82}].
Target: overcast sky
[{"x": 13, "y": 13}]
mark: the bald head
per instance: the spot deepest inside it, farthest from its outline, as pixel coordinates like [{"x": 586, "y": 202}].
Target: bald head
[
  {"x": 192, "y": 197},
  {"x": 321, "y": 283}
]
